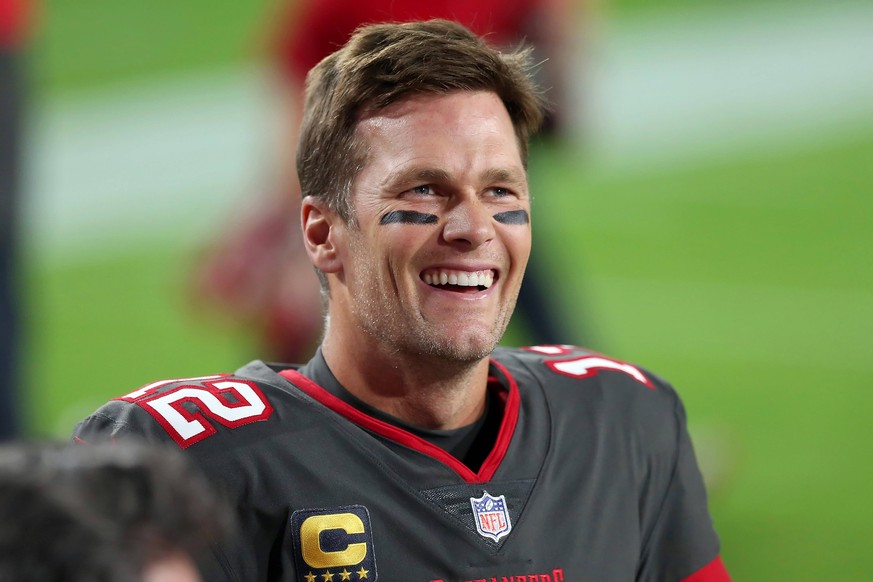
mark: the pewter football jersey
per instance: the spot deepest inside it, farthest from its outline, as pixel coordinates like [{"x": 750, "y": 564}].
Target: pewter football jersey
[{"x": 592, "y": 477}]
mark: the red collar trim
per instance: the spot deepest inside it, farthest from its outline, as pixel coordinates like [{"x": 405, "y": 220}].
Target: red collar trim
[{"x": 407, "y": 439}]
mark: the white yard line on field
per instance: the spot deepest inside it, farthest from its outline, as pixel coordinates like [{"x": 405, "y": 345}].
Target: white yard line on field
[{"x": 751, "y": 78}]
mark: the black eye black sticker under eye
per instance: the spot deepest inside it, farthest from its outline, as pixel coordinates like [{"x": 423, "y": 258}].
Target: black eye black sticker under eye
[
  {"x": 512, "y": 217},
  {"x": 408, "y": 217}
]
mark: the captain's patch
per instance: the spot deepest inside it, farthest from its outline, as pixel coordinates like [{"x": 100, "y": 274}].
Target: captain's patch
[
  {"x": 491, "y": 516},
  {"x": 333, "y": 544}
]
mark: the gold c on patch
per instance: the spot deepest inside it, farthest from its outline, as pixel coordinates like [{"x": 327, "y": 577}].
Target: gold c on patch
[{"x": 333, "y": 544}]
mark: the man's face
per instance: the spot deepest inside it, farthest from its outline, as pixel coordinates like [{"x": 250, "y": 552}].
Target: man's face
[{"x": 434, "y": 259}]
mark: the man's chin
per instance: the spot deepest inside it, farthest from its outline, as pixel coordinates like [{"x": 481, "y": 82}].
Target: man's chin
[{"x": 463, "y": 348}]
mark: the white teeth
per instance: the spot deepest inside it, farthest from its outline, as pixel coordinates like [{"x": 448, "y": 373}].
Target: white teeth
[{"x": 460, "y": 278}]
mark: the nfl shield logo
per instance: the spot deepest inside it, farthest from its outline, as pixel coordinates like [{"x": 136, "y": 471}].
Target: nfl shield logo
[{"x": 491, "y": 516}]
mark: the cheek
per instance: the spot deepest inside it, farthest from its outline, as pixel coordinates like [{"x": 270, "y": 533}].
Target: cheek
[
  {"x": 403, "y": 243},
  {"x": 382, "y": 253},
  {"x": 359, "y": 257},
  {"x": 518, "y": 241},
  {"x": 404, "y": 252}
]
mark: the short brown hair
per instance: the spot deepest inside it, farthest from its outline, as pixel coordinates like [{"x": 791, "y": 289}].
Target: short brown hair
[{"x": 380, "y": 65}]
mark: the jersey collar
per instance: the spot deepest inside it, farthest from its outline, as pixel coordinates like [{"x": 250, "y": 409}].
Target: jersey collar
[{"x": 497, "y": 372}]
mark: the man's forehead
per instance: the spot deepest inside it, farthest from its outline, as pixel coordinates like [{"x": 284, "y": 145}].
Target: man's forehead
[{"x": 420, "y": 139}]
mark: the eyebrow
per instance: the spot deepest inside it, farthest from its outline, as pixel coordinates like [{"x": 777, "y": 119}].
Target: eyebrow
[
  {"x": 437, "y": 175},
  {"x": 505, "y": 175},
  {"x": 415, "y": 175}
]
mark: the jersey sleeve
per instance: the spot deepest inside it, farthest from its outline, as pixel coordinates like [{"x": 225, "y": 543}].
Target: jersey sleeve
[
  {"x": 177, "y": 414},
  {"x": 118, "y": 421},
  {"x": 682, "y": 544}
]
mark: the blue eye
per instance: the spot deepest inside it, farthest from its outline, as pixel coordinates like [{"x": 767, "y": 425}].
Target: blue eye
[
  {"x": 500, "y": 192},
  {"x": 423, "y": 189}
]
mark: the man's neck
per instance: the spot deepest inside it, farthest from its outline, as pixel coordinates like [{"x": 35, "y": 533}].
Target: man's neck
[{"x": 428, "y": 392}]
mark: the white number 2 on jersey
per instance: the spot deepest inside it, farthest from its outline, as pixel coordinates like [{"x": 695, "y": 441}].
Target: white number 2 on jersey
[{"x": 231, "y": 403}]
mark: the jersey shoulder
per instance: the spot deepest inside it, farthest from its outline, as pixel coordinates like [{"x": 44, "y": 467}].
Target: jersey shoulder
[
  {"x": 183, "y": 410},
  {"x": 568, "y": 365},
  {"x": 577, "y": 382}
]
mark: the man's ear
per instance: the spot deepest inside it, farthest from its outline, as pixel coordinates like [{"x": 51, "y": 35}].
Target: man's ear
[{"x": 322, "y": 228}]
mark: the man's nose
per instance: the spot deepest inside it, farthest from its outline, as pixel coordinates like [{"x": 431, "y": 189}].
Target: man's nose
[{"x": 469, "y": 222}]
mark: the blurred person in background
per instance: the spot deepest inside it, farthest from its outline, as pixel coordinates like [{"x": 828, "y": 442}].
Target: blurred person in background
[
  {"x": 14, "y": 20},
  {"x": 258, "y": 272},
  {"x": 104, "y": 513}
]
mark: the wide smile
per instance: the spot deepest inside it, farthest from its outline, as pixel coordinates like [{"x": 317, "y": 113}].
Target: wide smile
[{"x": 460, "y": 281}]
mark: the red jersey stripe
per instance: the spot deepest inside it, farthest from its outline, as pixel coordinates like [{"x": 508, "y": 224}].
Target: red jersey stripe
[
  {"x": 712, "y": 572},
  {"x": 403, "y": 437}
]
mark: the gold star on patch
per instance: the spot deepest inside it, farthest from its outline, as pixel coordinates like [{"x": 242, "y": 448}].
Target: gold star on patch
[
  {"x": 362, "y": 573},
  {"x": 346, "y": 575},
  {"x": 327, "y": 576},
  {"x": 310, "y": 577}
]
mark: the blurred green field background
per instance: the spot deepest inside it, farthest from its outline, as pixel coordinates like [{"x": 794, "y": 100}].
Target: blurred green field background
[{"x": 744, "y": 278}]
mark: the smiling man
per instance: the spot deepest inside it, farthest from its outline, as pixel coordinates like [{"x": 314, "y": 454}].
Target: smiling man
[
  {"x": 423, "y": 279},
  {"x": 411, "y": 448}
]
